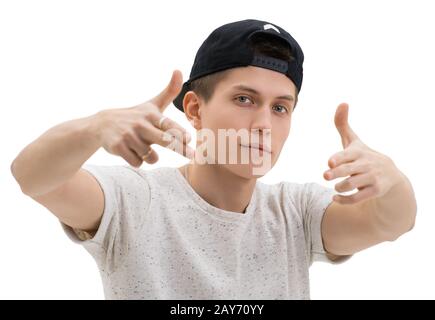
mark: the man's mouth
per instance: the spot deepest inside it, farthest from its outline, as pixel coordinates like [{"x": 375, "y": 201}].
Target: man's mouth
[{"x": 257, "y": 146}]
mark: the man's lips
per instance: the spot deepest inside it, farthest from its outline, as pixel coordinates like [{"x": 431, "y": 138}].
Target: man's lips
[{"x": 257, "y": 146}]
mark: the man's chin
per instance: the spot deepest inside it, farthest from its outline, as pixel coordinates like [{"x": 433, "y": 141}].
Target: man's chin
[{"x": 248, "y": 170}]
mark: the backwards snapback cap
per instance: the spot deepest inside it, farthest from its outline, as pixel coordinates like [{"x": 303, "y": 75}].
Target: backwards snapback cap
[{"x": 229, "y": 46}]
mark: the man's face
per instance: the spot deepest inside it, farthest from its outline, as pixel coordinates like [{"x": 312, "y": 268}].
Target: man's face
[{"x": 258, "y": 101}]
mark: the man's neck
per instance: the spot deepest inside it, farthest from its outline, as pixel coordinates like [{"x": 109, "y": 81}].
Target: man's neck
[{"x": 220, "y": 187}]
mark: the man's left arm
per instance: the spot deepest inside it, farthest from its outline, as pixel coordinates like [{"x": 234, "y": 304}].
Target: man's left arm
[{"x": 383, "y": 208}]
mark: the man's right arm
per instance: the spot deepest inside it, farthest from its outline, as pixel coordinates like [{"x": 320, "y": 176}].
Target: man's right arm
[{"x": 49, "y": 169}]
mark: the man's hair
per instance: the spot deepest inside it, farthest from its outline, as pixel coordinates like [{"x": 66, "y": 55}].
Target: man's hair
[{"x": 262, "y": 45}]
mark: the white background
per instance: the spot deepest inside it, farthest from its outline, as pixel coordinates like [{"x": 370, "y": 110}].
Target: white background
[{"x": 61, "y": 60}]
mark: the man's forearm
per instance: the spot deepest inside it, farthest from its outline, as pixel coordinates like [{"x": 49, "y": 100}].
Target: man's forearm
[
  {"x": 394, "y": 213},
  {"x": 56, "y": 155}
]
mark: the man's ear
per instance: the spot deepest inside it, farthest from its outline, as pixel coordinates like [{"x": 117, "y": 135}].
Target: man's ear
[{"x": 192, "y": 104}]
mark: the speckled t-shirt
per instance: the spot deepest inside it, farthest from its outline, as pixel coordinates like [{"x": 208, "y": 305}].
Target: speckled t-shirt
[{"x": 158, "y": 239}]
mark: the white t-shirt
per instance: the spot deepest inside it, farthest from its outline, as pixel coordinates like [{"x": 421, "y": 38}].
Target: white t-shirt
[{"x": 158, "y": 239}]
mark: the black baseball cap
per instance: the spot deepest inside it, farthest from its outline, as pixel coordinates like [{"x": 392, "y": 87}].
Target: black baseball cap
[{"x": 229, "y": 47}]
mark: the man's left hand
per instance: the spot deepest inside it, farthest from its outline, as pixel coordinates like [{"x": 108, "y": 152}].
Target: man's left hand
[{"x": 367, "y": 170}]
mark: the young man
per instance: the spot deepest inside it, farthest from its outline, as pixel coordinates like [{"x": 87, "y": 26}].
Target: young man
[{"x": 210, "y": 230}]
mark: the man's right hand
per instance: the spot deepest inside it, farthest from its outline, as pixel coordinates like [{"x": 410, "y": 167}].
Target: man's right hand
[{"x": 130, "y": 132}]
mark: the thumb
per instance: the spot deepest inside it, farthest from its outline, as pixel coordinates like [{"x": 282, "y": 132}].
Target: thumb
[
  {"x": 164, "y": 98},
  {"x": 341, "y": 123}
]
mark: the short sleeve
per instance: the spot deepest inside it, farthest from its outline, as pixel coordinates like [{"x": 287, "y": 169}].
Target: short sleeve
[
  {"x": 126, "y": 202},
  {"x": 316, "y": 199}
]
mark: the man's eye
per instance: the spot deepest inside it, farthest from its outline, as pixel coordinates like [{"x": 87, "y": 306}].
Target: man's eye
[
  {"x": 282, "y": 109},
  {"x": 243, "y": 99}
]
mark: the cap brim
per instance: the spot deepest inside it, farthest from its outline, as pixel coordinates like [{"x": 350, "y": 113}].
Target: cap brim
[{"x": 178, "y": 102}]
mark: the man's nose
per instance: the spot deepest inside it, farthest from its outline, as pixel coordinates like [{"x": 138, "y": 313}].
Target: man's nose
[{"x": 262, "y": 120}]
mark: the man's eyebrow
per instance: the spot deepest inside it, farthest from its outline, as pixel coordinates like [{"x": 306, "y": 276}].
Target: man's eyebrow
[{"x": 245, "y": 88}]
